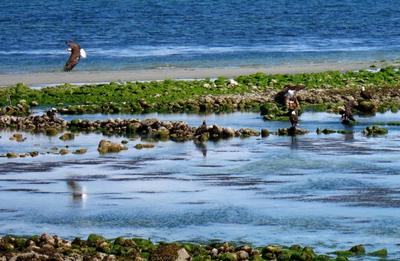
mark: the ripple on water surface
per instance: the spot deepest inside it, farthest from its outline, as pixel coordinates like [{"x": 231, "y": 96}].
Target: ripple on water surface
[{"x": 284, "y": 190}]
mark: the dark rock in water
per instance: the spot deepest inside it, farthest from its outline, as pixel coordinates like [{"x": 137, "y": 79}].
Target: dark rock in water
[
  {"x": 348, "y": 122},
  {"x": 67, "y": 136},
  {"x": 358, "y": 250},
  {"x": 374, "y": 131},
  {"x": 12, "y": 155},
  {"x": 51, "y": 131},
  {"x": 247, "y": 132},
  {"x": 228, "y": 132},
  {"x": 80, "y": 151},
  {"x": 366, "y": 107},
  {"x": 292, "y": 131},
  {"x": 63, "y": 151},
  {"x": 34, "y": 153},
  {"x": 264, "y": 133}
]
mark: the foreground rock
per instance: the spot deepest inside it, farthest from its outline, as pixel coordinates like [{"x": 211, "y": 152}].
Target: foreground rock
[
  {"x": 96, "y": 247},
  {"x": 106, "y": 146}
]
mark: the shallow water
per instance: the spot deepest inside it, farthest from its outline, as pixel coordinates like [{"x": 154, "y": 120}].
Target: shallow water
[{"x": 327, "y": 191}]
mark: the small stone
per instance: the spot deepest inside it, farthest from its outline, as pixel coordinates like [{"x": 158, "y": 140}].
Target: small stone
[
  {"x": 67, "y": 136},
  {"x": 242, "y": 255},
  {"x": 34, "y": 153},
  {"x": 63, "y": 151},
  {"x": 12, "y": 155},
  {"x": 140, "y": 146},
  {"x": 80, "y": 151}
]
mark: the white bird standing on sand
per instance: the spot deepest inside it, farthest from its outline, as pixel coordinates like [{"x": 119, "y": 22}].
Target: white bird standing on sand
[{"x": 76, "y": 53}]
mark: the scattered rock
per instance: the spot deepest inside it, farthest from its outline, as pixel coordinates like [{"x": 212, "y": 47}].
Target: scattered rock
[
  {"x": 63, "y": 151},
  {"x": 140, "y": 146},
  {"x": 80, "y": 151},
  {"x": 292, "y": 131},
  {"x": 264, "y": 133},
  {"x": 67, "y": 136},
  {"x": 12, "y": 155},
  {"x": 106, "y": 146}
]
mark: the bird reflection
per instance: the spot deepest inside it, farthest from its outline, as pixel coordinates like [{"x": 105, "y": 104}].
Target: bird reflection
[
  {"x": 202, "y": 147},
  {"x": 77, "y": 191},
  {"x": 294, "y": 144},
  {"x": 349, "y": 136}
]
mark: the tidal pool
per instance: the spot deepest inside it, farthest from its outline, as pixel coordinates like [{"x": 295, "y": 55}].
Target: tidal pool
[{"x": 326, "y": 191}]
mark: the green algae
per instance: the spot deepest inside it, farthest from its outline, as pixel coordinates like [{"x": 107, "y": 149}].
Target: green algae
[{"x": 183, "y": 96}]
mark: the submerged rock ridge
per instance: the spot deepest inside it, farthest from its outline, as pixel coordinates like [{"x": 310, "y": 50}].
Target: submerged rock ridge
[{"x": 96, "y": 247}]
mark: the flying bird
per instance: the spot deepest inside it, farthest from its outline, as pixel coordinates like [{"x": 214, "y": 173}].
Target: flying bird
[{"x": 76, "y": 53}]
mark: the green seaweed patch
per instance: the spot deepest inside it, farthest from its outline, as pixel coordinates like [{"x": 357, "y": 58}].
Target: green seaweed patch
[
  {"x": 379, "y": 253},
  {"x": 325, "y": 131},
  {"x": 374, "y": 131}
]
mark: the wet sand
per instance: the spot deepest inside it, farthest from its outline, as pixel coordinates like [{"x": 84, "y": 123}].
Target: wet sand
[{"x": 76, "y": 76}]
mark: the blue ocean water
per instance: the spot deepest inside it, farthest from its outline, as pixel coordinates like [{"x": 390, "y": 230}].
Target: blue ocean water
[{"x": 131, "y": 34}]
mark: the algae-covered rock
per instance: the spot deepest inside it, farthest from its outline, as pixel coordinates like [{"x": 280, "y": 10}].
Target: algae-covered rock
[
  {"x": 18, "y": 137},
  {"x": 67, "y": 136},
  {"x": 140, "y": 146},
  {"x": 94, "y": 240},
  {"x": 165, "y": 252},
  {"x": 366, "y": 107},
  {"x": 264, "y": 132},
  {"x": 271, "y": 252},
  {"x": 358, "y": 250},
  {"x": 271, "y": 111},
  {"x": 228, "y": 257},
  {"x": 325, "y": 131},
  {"x": 379, "y": 253},
  {"x": 374, "y": 131},
  {"x": 106, "y": 146},
  {"x": 12, "y": 155},
  {"x": 51, "y": 131}
]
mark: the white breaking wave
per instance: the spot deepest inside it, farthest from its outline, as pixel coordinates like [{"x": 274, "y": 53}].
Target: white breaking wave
[{"x": 160, "y": 51}]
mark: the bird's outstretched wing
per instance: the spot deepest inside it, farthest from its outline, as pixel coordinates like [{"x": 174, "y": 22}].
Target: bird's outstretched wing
[{"x": 74, "y": 57}]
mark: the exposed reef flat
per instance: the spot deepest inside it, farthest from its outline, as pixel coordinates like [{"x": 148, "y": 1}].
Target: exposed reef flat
[{"x": 326, "y": 91}]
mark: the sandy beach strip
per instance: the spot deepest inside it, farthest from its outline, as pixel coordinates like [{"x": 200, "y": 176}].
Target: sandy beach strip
[{"x": 80, "y": 77}]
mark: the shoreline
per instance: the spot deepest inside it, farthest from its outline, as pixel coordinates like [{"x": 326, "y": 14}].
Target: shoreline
[{"x": 42, "y": 79}]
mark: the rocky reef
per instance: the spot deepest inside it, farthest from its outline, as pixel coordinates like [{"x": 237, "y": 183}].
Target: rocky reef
[{"x": 98, "y": 248}]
